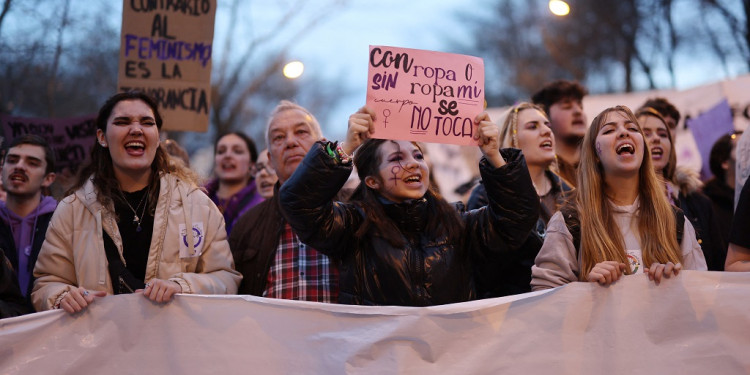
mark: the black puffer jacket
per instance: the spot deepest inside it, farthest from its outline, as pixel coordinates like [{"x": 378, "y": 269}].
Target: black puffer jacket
[
  {"x": 426, "y": 271},
  {"x": 512, "y": 275}
]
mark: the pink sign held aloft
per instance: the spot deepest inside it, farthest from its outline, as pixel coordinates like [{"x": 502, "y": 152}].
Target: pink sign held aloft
[{"x": 424, "y": 96}]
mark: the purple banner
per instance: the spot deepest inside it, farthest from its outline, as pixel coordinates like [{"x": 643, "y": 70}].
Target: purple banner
[
  {"x": 70, "y": 138},
  {"x": 708, "y": 127}
]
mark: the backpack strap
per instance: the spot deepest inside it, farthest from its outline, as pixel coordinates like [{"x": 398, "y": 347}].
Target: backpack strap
[
  {"x": 123, "y": 281},
  {"x": 573, "y": 223},
  {"x": 679, "y": 218}
]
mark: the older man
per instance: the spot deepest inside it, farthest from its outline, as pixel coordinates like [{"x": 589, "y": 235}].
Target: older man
[{"x": 266, "y": 250}]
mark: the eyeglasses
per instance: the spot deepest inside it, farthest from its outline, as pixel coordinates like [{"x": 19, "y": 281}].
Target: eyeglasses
[{"x": 261, "y": 166}]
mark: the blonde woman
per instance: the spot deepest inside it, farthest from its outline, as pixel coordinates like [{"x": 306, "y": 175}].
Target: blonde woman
[
  {"x": 619, "y": 220},
  {"x": 524, "y": 126}
]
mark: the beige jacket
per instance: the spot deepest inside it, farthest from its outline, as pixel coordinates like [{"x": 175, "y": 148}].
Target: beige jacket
[
  {"x": 73, "y": 251},
  {"x": 559, "y": 263}
]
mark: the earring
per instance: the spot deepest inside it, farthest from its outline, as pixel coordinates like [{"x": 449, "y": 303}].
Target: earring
[{"x": 103, "y": 144}]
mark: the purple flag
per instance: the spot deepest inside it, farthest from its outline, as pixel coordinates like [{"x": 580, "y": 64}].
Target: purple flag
[
  {"x": 709, "y": 127},
  {"x": 71, "y": 138}
]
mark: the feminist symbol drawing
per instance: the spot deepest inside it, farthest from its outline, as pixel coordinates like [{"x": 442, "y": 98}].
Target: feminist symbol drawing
[{"x": 386, "y": 113}]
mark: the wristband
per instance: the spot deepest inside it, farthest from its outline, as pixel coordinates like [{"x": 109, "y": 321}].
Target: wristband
[
  {"x": 330, "y": 151},
  {"x": 344, "y": 158}
]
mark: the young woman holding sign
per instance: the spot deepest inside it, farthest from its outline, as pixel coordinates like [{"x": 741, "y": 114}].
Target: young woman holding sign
[
  {"x": 134, "y": 222},
  {"x": 400, "y": 243},
  {"x": 618, "y": 221}
]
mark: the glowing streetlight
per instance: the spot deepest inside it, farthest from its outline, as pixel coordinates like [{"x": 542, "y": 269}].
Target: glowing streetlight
[
  {"x": 293, "y": 69},
  {"x": 559, "y": 8}
]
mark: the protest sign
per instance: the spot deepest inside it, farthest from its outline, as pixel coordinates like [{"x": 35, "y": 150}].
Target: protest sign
[
  {"x": 424, "y": 96},
  {"x": 165, "y": 51},
  {"x": 71, "y": 138}
]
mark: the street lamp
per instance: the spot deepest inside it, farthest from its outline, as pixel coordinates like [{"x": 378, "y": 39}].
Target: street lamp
[
  {"x": 559, "y": 8},
  {"x": 293, "y": 69}
]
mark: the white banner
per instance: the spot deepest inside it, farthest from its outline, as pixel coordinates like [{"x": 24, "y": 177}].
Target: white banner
[{"x": 697, "y": 323}]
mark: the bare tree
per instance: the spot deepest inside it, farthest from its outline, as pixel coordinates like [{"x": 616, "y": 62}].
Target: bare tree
[
  {"x": 61, "y": 58},
  {"x": 67, "y": 75},
  {"x": 4, "y": 11},
  {"x": 247, "y": 82},
  {"x": 609, "y": 45}
]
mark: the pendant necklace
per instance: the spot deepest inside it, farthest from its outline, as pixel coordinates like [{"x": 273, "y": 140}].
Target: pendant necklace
[{"x": 137, "y": 219}]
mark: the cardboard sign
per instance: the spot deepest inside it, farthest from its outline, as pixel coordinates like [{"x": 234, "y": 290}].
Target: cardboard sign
[
  {"x": 424, "y": 96},
  {"x": 165, "y": 51},
  {"x": 71, "y": 139}
]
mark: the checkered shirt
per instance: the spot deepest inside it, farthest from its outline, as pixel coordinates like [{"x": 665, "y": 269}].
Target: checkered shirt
[{"x": 300, "y": 272}]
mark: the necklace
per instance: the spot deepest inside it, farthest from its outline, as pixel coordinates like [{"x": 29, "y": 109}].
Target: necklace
[{"x": 137, "y": 219}]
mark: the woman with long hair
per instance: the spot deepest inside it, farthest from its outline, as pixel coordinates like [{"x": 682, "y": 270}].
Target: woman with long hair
[
  {"x": 682, "y": 187},
  {"x": 400, "y": 243},
  {"x": 233, "y": 190},
  {"x": 525, "y": 126},
  {"x": 618, "y": 221},
  {"x": 135, "y": 221}
]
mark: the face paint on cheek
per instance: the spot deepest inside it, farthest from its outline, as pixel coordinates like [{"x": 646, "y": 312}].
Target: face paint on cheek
[
  {"x": 598, "y": 148},
  {"x": 394, "y": 172}
]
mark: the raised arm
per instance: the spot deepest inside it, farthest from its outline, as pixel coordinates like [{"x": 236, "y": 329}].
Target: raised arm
[
  {"x": 513, "y": 206},
  {"x": 307, "y": 198}
]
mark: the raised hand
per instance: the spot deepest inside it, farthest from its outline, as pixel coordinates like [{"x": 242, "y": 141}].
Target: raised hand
[
  {"x": 361, "y": 126},
  {"x": 486, "y": 133}
]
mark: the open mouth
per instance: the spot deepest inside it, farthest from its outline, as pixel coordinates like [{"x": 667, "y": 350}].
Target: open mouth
[
  {"x": 227, "y": 166},
  {"x": 266, "y": 185},
  {"x": 546, "y": 144},
  {"x": 625, "y": 148},
  {"x": 135, "y": 146},
  {"x": 657, "y": 151},
  {"x": 17, "y": 177},
  {"x": 415, "y": 178}
]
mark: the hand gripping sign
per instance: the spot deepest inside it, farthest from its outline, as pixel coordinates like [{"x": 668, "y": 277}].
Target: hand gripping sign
[{"x": 424, "y": 96}]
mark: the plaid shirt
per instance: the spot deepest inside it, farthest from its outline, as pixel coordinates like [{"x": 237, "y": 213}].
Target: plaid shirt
[{"x": 300, "y": 272}]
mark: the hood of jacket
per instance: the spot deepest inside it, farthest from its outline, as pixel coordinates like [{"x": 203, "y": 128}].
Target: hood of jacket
[
  {"x": 46, "y": 205},
  {"x": 687, "y": 180}
]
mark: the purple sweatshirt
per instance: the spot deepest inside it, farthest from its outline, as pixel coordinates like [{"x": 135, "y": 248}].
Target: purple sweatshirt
[
  {"x": 23, "y": 235},
  {"x": 237, "y": 205}
]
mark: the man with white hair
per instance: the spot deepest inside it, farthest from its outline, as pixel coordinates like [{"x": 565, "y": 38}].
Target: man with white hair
[{"x": 272, "y": 260}]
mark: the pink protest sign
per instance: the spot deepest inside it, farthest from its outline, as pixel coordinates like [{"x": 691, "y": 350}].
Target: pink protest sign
[{"x": 424, "y": 96}]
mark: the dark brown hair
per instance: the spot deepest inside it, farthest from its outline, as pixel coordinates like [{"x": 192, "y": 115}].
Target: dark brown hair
[
  {"x": 556, "y": 91},
  {"x": 100, "y": 168},
  {"x": 442, "y": 217},
  {"x": 664, "y": 107},
  {"x": 34, "y": 140}
]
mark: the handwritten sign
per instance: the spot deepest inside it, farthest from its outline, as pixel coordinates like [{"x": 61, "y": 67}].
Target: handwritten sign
[
  {"x": 424, "y": 96},
  {"x": 165, "y": 51},
  {"x": 70, "y": 138}
]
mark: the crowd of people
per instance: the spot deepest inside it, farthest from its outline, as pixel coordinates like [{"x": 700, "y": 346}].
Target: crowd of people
[{"x": 559, "y": 201}]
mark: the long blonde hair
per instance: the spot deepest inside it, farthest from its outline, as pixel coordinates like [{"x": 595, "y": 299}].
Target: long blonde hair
[{"x": 600, "y": 237}]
